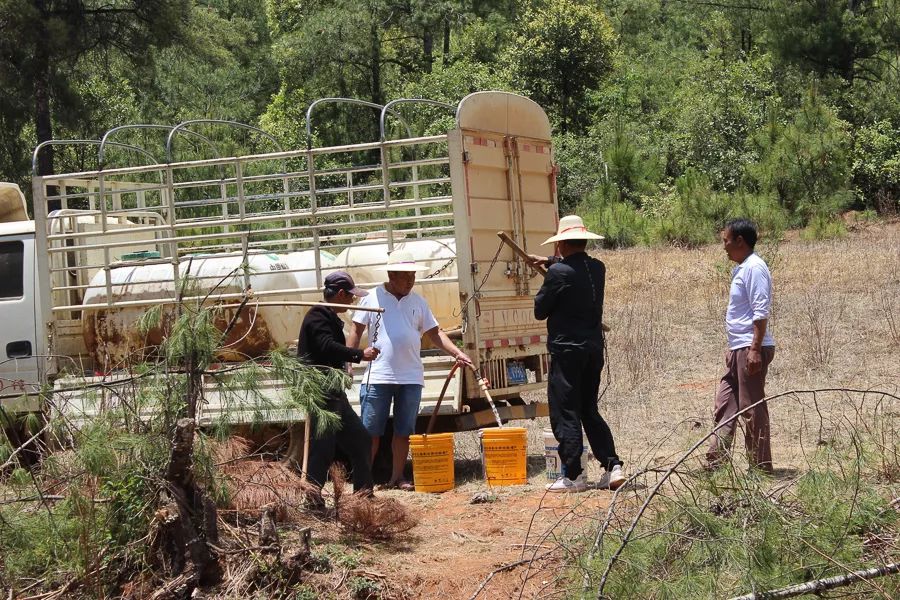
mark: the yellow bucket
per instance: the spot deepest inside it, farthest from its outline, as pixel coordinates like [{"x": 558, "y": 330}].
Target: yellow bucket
[
  {"x": 504, "y": 451},
  {"x": 432, "y": 457}
]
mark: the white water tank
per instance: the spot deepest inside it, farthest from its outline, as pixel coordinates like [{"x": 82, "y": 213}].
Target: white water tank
[
  {"x": 438, "y": 255},
  {"x": 112, "y": 335}
]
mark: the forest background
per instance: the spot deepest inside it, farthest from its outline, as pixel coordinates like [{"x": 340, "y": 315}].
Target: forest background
[{"x": 669, "y": 115}]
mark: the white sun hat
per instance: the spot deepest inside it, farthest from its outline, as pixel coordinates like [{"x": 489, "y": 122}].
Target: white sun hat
[
  {"x": 401, "y": 260},
  {"x": 572, "y": 228}
]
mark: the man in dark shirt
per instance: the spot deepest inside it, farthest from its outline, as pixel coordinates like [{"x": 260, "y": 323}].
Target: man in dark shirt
[
  {"x": 571, "y": 299},
  {"x": 322, "y": 343}
]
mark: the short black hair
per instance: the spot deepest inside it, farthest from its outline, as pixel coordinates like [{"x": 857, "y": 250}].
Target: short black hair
[
  {"x": 330, "y": 293},
  {"x": 744, "y": 228}
]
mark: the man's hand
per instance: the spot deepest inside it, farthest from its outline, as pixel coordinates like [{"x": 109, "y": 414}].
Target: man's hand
[
  {"x": 463, "y": 358},
  {"x": 371, "y": 353},
  {"x": 534, "y": 260},
  {"x": 754, "y": 361}
]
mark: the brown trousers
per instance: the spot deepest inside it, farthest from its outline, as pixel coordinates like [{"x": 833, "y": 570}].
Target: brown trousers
[{"x": 738, "y": 390}]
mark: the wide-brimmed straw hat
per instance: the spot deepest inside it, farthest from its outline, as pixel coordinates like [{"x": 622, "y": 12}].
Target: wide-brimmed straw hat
[
  {"x": 401, "y": 260},
  {"x": 572, "y": 228}
]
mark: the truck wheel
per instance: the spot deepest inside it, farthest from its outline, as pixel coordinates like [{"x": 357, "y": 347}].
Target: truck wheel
[{"x": 19, "y": 434}]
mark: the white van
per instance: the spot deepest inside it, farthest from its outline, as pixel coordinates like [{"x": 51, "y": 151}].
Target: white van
[{"x": 19, "y": 305}]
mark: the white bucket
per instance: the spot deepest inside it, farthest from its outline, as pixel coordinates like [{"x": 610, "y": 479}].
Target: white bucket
[{"x": 551, "y": 454}]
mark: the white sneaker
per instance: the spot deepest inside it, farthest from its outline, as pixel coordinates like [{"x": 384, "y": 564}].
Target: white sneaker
[
  {"x": 564, "y": 484},
  {"x": 612, "y": 480}
]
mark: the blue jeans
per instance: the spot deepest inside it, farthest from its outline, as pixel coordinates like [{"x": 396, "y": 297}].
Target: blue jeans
[{"x": 375, "y": 400}]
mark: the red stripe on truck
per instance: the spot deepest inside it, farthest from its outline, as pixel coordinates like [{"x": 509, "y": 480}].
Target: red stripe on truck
[{"x": 516, "y": 341}]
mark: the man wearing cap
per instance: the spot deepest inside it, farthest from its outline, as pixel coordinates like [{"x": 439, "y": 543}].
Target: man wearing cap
[
  {"x": 322, "y": 343},
  {"x": 398, "y": 375},
  {"x": 571, "y": 299}
]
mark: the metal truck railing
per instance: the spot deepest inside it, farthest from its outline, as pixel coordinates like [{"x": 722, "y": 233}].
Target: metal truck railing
[
  {"x": 494, "y": 171},
  {"x": 249, "y": 208}
]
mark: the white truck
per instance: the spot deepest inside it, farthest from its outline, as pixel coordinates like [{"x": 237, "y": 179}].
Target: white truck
[{"x": 107, "y": 245}]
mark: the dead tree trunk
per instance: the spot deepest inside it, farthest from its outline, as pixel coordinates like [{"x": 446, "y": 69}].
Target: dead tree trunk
[{"x": 186, "y": 523}]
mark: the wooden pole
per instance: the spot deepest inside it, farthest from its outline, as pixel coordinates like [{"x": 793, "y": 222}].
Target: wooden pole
[
  {"x": 519, "y": 250},
  {"x": 307, "y": 433}
]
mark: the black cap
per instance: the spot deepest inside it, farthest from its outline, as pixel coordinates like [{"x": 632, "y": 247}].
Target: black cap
[{"x": 340, "y": 280}]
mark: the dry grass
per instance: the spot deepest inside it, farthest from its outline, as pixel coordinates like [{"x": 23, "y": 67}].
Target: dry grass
[
  {"x": 254, "y": 483},
  {"x": 824, "y": 317},
  {"x": 889, "y": 311},
  {"x": 828, "y": 331},
  {"x": 374, "y": 518},
  {"x": 640, "y": 338},
  {"x": 835, "y": 320}
]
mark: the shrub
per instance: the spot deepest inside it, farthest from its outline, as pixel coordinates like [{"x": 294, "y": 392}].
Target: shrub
[
  {"x": 822, "y": 227},
  {"x": 581, "y": 170},
  {"x": 632, "y": 168},
  {"x": 694, "y": 215},
  {"x": 717, "y": 535},
  {"x": 806, "y": 164},
  {"x": 762, "y": 209},
  {"x": 876, "y": 166},
  {"x": 363, "y": 587},
  {"x": 619, "y": 223},
  {"x": 65, "y": 536}
]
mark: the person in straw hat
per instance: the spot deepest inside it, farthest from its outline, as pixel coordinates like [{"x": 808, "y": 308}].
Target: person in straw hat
[
  {"x": 397, "y": 376},
  {"x": 571, "y": 299}
]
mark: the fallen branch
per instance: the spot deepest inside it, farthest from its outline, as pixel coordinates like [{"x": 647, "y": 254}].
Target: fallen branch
[
  {"x": 821, "y": 585},
  {"x": 180, "y": 587},
  {"x": 31, "y": 499},
  {"x": 223, "y": 552},
  {"x": 61, "y": 592},
  {"x": 506, "y": 567}
]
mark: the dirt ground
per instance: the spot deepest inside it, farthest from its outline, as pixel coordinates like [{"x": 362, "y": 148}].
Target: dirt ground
[
  {"x": 836, "y": 324},
  {"x": 457, "y": 544}
]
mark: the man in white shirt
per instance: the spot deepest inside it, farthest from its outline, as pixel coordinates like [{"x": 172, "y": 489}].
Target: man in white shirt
[
  {"x": 750, "y": 350},
  {"x": 397, "y": 375}
]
